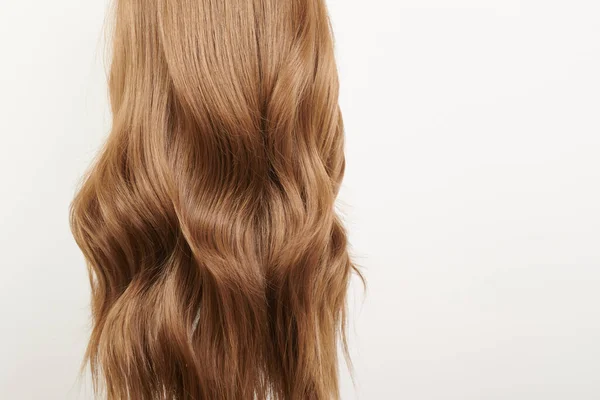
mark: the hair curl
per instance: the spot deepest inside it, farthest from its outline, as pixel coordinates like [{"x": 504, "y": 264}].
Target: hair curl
[{"x": 218, "y": 266}]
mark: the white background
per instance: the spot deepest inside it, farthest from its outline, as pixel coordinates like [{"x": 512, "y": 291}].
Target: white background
[{"x": 472, "y": 195}]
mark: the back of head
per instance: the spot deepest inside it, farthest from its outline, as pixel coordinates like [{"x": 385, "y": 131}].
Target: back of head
[{"x": 218, "y": 266}]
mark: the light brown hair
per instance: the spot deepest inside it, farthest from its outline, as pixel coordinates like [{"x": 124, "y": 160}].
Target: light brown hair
[{"x": 219, "y": 268}]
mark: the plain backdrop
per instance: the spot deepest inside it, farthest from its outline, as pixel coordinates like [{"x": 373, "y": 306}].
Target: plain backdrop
[{"x": 472, "y": 195}]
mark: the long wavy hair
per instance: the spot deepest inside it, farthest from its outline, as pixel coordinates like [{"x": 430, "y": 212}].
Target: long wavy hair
[{"x": 218, "y": 266}]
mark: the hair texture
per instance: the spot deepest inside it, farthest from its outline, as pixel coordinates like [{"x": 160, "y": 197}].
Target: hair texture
[{"x": 218, "y": 266}]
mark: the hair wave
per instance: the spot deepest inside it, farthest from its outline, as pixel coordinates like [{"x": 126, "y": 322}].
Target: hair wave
[{"x": 219, "y": 268}]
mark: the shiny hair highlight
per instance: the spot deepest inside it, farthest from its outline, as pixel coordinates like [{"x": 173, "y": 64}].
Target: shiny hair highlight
[{"x": 219, "y": 268}]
